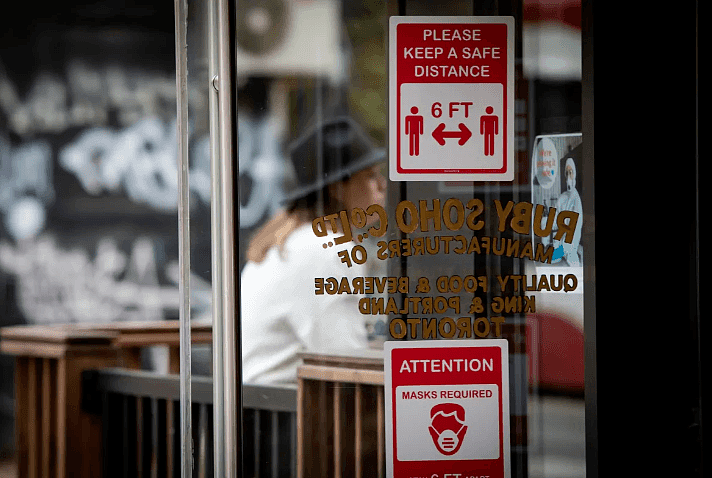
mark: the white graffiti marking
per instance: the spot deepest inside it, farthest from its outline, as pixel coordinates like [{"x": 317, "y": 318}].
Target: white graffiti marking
[
  {"x": 25, "y": 186},
  {"x": 86, "y": 96},
  {"x": 140, "y": 160},
  {"x": 63, "y": 286}
]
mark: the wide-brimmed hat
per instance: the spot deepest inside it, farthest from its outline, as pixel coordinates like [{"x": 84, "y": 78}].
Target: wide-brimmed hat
[{"x": 330, "y": 152}]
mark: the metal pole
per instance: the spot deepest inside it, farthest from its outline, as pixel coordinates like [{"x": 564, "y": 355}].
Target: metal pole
[
  {"x": 227, "y": 113},
  {"x": 217, "y": 245},
  {"x": 181, "y": 22}
]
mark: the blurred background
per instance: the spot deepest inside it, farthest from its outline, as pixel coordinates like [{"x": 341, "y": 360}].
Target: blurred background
[
  {"x": 88, "y": 177},
  {"x": 88, "y": 185}
]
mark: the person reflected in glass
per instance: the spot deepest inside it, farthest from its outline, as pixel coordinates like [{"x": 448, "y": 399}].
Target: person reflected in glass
[
  {"x": 571, "y": 201},
  {"x": 281, "y": 314}
]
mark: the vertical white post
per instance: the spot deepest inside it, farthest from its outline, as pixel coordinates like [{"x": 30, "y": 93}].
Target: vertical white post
[
  {"x": 228, "y": 171},
  {"x": 216, "y": 244},
  {"x": 186, "y": 449}
]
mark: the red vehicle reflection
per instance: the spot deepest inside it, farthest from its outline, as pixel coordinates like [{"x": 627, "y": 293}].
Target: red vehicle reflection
[{"x": 555, "y": 353}]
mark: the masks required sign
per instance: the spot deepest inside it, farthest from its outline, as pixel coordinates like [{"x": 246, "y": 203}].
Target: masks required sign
[{"x": 447, "y": 409}]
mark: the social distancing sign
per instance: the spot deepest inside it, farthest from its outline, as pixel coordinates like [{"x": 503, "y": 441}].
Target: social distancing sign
[
  {"x": 451, "y": 93},
  {"x": 447, "y": 408}
]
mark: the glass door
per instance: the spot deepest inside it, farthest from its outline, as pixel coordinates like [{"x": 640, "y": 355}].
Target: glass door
[{"x": 337, "y": 257}]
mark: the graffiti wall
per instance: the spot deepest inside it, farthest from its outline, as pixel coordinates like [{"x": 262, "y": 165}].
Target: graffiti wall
[
  {"x": 88, "y": 177},
  {"x": 89, "y": 191}
]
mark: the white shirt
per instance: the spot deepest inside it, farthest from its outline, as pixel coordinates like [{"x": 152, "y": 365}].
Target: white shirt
[
  {"x": 282, "y": 316},
  {"x": 571, "y": 201}
]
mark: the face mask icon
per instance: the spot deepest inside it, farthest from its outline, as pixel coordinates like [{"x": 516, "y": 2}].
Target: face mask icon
[{"x": 447, "y": 427}]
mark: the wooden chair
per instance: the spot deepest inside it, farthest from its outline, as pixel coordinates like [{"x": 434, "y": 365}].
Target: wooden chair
[
  {"x": 340, "y": 415},
  {"x": 54, "y": 437}
]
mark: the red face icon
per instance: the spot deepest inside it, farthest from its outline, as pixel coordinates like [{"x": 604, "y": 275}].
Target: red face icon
[{"x": 447, "y": 427}]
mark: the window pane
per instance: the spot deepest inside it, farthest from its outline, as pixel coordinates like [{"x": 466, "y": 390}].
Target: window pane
[{"x": 407, "y": 260}]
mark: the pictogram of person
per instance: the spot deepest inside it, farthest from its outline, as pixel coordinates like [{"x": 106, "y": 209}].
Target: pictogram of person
[
  {"x": 414, "y": 128},
  {"x": 489, "y": 127}
]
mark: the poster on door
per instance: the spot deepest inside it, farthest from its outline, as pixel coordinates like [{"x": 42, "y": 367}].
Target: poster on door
[
  {"x": 556, "y": 180},
  {"x": 451, "y": 93},
  {"x": 447, "y": 408}
]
